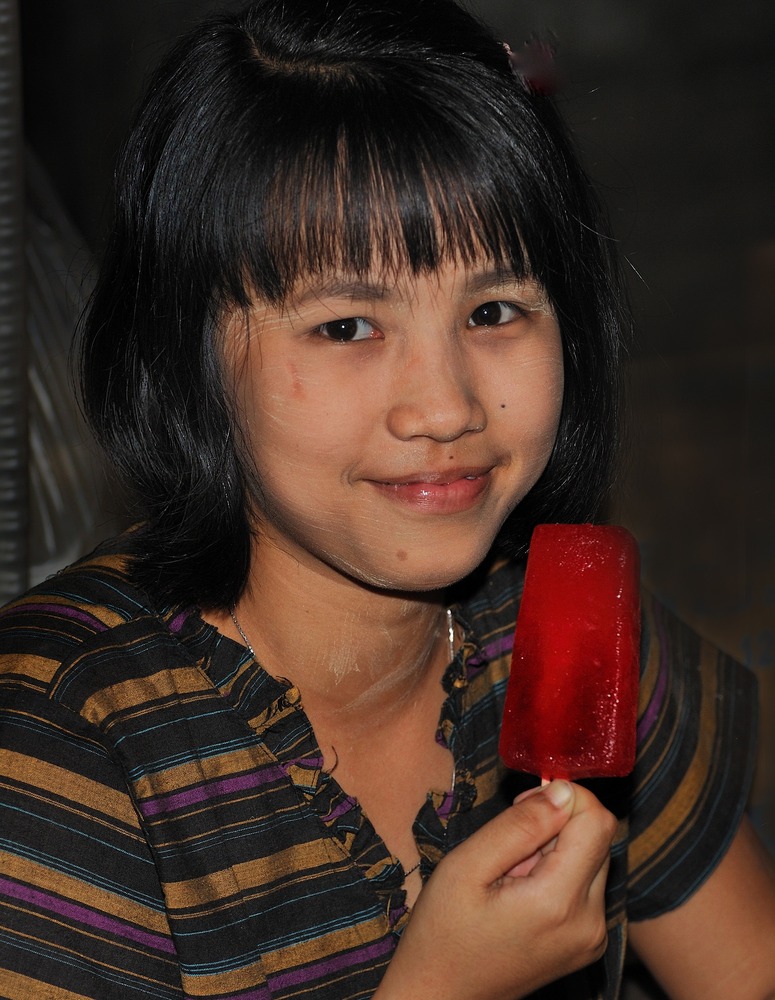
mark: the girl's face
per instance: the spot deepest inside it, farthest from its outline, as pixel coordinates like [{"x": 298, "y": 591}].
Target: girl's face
[{"x": 395, "y": 423}]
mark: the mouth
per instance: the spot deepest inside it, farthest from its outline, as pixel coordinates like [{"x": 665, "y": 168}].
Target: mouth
[
  {"x": 445, "y": 478},
  {"x": 452, "y": 491}
]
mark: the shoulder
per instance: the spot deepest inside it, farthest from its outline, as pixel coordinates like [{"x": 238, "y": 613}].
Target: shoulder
[
  {"x": 696, "y": 756},
  {"x": 81, "y": 608},
  {"x": 689, "y": 687}
]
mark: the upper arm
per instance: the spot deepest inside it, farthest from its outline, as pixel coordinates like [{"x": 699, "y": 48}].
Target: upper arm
[
  {"x": 720, "y": 942},
  {"x": 81, "y": 908}
]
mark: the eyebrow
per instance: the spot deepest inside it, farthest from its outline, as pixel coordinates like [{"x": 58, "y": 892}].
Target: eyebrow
[
  {"x": 497, "y": 277},
  {"x": 340, "y": 287},
  {"x": 344, "y": 288}
]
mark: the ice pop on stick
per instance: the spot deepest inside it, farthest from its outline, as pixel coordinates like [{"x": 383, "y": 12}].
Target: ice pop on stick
[{"x": 571, "y": 702}]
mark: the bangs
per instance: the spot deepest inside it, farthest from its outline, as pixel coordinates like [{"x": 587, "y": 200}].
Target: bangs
[{"x": 384, "y": 180}]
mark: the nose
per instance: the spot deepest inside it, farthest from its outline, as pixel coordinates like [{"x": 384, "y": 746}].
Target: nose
[{"x": 435, "y": 397}]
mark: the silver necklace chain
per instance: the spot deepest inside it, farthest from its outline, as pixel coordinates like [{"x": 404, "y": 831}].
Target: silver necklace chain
[
  {"x": 241, "y": 631},
  {"x": 450, "y": 635},
  {"x": 450, "y": 650},
  {"x": 246, "y": 641}
]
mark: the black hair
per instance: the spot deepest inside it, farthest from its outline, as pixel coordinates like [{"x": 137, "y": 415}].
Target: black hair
[{"x": 290, "y": 139}]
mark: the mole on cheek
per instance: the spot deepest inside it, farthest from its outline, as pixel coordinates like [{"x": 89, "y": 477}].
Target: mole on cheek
[
  {"x": 503, "y": 406},
  {"x": 401, "y": 555}
]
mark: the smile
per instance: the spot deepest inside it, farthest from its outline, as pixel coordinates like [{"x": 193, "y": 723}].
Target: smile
[{"x": 449, "y": 492}]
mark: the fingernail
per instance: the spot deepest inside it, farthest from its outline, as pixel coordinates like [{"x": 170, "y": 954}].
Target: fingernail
[{"x": 559, "y": 793}]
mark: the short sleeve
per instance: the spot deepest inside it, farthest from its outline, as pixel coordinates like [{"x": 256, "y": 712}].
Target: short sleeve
[
  {"x": 81, "y": 908},
  {"x": 696, "y": 753}
]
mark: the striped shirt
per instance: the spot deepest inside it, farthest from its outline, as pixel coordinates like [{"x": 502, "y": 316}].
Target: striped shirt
[{"x": 167, "y": 830}]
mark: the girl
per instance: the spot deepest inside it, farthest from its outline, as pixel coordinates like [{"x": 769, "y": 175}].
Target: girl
[{"x": 356, "y": 333}]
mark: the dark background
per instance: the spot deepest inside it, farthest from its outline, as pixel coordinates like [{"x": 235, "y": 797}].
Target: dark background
[{"x": 672, "y": 104}]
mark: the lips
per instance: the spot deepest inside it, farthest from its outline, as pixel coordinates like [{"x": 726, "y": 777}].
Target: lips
[
  {"x": 448, "y": 492},
  {"x": 441, "y": 478}
]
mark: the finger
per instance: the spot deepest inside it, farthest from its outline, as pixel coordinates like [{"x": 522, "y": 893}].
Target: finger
[
  {"x": 517, "y": 834},
  {"x": 525, "y": 867},
  {"x": 599, "y": 883},
  {"x": 587, "y": 838}
]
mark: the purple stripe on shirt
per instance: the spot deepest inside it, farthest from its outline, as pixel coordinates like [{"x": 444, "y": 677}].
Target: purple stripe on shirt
[
  {"x": 307, "y": 763},
  {"x": 211, "y": 790},
  {"x": 654, "y": 706},
  {"x": 83, "y": 915},
  {"x": 445, "y": 808},
  {"x": 179, "y": 621},
  {"x": 337, "y": 963},
  {"x": 503, "y": 645},
  {"x": 342, "y": 809},
  {"x": 256, "y": 993},
  {"x": 63, "y": 611},
  {"x": 395, "y": 915}
]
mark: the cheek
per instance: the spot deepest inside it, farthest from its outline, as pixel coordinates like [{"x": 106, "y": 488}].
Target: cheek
[
  {"x": 555, "y": 391},
  {"x": 299, "y": 421},
  {"x": 531, "y": 403},
  {"x": 276, "y": 399},
  {"x": 297, "y": 389},
  {"x": 549, "y": 409}
]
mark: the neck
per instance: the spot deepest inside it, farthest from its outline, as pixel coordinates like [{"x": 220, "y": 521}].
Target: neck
[{"x": 348, "y": 647}]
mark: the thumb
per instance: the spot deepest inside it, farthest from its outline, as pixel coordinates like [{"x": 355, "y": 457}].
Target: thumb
[{"x": 517, "y": 833}]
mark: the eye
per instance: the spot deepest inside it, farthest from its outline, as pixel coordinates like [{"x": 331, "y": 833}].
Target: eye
[
  {"x": 345, "y": 330},
  {"x": 494, "y": 314}
]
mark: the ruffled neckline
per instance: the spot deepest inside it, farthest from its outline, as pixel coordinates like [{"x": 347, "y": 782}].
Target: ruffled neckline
[{"x": 273, "y": 709}]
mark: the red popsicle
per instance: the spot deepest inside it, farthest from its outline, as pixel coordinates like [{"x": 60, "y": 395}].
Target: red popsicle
[{"x": 571, "y": 704}]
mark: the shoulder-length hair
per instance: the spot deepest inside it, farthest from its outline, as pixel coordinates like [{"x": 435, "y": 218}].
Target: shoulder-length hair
[{"x": 291, "y": 139}]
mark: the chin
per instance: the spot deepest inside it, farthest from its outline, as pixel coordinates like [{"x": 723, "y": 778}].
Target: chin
[{"x": 418, "y": 575}]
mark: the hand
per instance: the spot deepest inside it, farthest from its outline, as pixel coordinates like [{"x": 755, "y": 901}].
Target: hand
[{"x": 518, "y": 905}]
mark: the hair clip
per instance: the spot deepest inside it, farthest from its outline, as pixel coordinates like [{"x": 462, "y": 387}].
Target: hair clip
[{"x": 534, "y": 64}]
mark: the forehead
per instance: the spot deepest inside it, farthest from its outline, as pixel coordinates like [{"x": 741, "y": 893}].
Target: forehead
[{"x": 453, "y": 276}]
